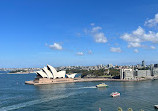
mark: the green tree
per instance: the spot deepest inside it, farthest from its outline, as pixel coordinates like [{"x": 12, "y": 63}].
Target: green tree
[
  {"x": 130, "y": 109},
  {"x": 114, "y": 72},
  {"x": 120, "y": 109}
]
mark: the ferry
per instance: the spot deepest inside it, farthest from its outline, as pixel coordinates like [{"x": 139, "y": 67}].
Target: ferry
[
  {"x": 102, "y": 85},
  {"x": 115, "y": 94},
  {"x": 156, "y": 106}
]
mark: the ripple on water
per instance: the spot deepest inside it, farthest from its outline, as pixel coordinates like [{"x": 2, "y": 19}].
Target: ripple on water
[{"x": 82, "y": 96}]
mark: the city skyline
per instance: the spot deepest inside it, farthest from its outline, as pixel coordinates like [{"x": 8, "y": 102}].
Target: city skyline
[
  {"x": 140, "y": 64},
  {"x": 78, "y": 33}
]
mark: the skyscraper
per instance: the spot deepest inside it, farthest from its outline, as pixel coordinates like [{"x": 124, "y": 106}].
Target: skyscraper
[{"x": 143, "y": 63}]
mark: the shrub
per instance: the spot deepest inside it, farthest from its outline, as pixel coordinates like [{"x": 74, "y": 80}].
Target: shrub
[
  {"x": 130, "y": 109},
  {"x": 120, "y": 109}
]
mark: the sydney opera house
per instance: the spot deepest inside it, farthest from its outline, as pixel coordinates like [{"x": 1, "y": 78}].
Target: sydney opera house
[{"x": 49, "y": 75}]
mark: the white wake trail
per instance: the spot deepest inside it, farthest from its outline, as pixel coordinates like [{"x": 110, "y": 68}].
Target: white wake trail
[
  {"x": 88, "y": 87},
  {"x": 29, "y": 103}
]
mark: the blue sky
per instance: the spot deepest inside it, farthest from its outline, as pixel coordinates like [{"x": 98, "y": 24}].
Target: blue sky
[{"x": 34, "y": 33}]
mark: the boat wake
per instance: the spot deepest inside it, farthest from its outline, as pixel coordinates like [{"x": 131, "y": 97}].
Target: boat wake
[
  {"x": 30, "y": 103},
  {"x": 89, "y": 87}
]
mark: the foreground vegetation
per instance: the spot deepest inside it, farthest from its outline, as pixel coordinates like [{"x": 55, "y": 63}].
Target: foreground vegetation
[{"x": 129, "y": 109}]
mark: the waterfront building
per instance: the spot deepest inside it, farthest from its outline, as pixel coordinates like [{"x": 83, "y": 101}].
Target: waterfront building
[
  {"x": 109, "y": 65},
  {"x": 71, "y": 75},
  {"x": 129, "y": 74},
  {"x": 151, "y": 66},
  {"x": 143, "y": 73},
  {"x": 155, "y": 65},
  {"x": 155, "y": 72},
  {"x": 139, "y": 66},
  {"x": 151, "y": 69},
  {"x": 51, "y": 73},
  {"x": 143, "y": 63},
  {"x": 126, "y": 74}
]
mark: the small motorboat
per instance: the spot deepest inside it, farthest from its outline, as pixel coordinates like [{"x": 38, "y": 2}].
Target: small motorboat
[
  {"x": 156, "y": 106},
  {"x": 115, "y": 94},
  {"x": 101, "y": 85}
]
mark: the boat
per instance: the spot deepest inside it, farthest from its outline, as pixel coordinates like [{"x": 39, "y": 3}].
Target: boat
[
  {"x": 115, "y": 94},
  {"x": 155, "y": 78},
  {"x": 156, "y": 106},
  {"x": 102, "y": 85}
]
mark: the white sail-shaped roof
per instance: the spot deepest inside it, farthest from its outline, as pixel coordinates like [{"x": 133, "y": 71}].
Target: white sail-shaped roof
[
  {"x": 52, "y": 69},
  {"x": 60, "y": 74},
  {"x": 49, "y": 74},
  {"x": 71, "y": 75},
  {"x": 42, "y": 73}
]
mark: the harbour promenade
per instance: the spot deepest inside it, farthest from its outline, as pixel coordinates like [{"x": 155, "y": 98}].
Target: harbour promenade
[{"x": 70, "y": 80}]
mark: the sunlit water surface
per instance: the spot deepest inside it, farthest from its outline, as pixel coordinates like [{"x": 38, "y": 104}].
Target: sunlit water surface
[{"x": 83, "y": 96}]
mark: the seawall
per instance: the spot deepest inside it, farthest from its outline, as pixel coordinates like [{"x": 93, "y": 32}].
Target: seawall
[{"x": 70, "y": 80}]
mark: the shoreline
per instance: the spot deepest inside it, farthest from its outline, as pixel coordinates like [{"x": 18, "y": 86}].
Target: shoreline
[{"x": 68, "y": 80}]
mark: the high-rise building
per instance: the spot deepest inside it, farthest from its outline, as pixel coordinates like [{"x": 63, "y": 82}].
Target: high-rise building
[
  {"x": 143, "y": 63},
  {"x": 110, "y": 65},
  {"x": 156, "y": 65}
]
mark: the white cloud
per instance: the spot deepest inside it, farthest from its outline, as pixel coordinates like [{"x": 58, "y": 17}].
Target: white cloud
[
  {"x": 134, "y": 44},
  {"x": 96, "y": 33},
  {"x": 113, "y": 49},
  {"x": 92, "y": 24},
  {"x": 96, "y": 29},
  {"x": 140, "y": 31},
  {"x": 136, "y": 50},
  {"x": 56, "y": 46},
  {"x": 137, "y": 37},
  {"x": 152, "y": 47},
  {"x": 152, "y": 22},
  {"x": 80, "y": 53},
  {"x": 100, "y": 37}
]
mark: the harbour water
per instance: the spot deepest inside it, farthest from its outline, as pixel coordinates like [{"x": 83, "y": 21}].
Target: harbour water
[{"x": 83, "y": 96}]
